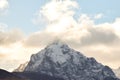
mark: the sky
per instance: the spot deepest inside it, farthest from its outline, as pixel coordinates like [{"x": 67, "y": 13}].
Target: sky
[{"x": 89, "y": 26}]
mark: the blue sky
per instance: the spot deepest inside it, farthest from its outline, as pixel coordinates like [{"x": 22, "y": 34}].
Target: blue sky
[
  {"x": 110, "y": 8},
  {"x": 21, "y": 12}
]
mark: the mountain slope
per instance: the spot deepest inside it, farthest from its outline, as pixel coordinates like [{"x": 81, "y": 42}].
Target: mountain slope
[{"x": 58, "y": 60}]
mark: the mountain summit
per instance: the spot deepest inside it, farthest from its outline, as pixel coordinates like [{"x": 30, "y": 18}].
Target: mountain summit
[{"x": 59, "y": 60}]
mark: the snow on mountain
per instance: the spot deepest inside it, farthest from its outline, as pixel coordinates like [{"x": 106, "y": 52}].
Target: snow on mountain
[
  {"x": 21, "y": 67},
  {"x": 117, "y": 72},
  {"x": 59, "y": 60}
]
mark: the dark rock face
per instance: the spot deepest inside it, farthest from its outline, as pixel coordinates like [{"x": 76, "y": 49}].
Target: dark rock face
[{"x": 59, "y": 60}]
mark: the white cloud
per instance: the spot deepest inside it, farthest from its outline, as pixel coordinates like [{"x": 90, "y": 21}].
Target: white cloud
[
  {"x": 116, "y": 25},
  {"x": 38, "y": 39},
  {"x": 57, "y": 9},
  {"x": 10, "y": 37},
  {"x": 98, "y": 16},
  {"x": 3, "y": 6},
  {"x": 54, "y": 10}
]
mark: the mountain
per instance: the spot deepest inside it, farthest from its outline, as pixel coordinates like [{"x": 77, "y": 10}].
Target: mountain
[
  {"x": 4, "y": 75},
  {"x": 59, "y": 60},
  {"x": 117, "y": 72},
  {"x": 21, "y": 67}
]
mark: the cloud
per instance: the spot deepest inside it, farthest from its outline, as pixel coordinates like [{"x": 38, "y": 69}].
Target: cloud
[
  {"x": 99, "y": 35},
  {"x": 116, "y": 25},
  {"x": 83, "y": 32},
  {"x": 58, "y": 16},
  {"x": 98, "y": 16},
  {"x": 4, "y": 5},
  {"x": 57, "y": 9},
  {"x": 38, "y": 39},
  {"x": 2, "y": 55},
  {"x": 62, "y": 24},
  {"x": 54, "y": 10},
  {"x": 10, "y": 37}
]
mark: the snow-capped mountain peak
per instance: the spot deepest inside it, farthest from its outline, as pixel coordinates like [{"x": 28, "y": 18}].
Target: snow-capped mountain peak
[{"x": 58, "y": 59}]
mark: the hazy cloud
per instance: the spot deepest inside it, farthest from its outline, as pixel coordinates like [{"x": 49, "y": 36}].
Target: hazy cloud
[
  {"x": 98, "y": 16},
  {"x": 10, "y": 37},
  {"x": 99, "y": 35},
  {"x": 38, "y": 39},
  {"x": 62, "y": 25},
  {"x": 2, "y": 55}
]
